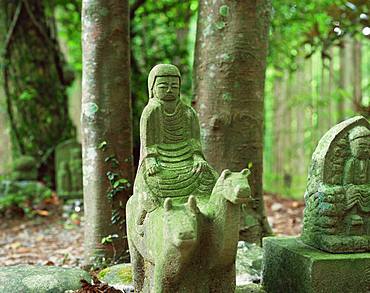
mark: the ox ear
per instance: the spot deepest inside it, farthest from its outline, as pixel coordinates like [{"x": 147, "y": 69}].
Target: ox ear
[
  {"x": 246, "y": 172},
  {"x": 167, "y": 204},
  {"x": 192, "y": 204},
  {"x": 225, "y": 173}
]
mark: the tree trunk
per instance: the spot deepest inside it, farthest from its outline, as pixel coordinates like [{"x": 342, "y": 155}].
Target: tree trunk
[
  {"x": 331, "y": 82},
  {"x": 229, "y": 76},
  {"x": 34, "y": 82},
  {"x": 287, "y": 131},
  {"x": 278, "y": 123},
  {"x": 323, "y": 105},
  {"x": 106, "y": 128},
  {"x": 345, "y": 73},
  {"x": 300, "y": 111},
  {"x": 357, "y": 74}
]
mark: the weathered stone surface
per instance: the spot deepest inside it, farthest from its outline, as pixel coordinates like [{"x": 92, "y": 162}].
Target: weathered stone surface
[
  {"x": 248, "y": 270},
  {"x": 68, "y": 167},
  {"x": 182, "y": 222},
  {"x": 40, "y": 279},
  {"x": 290, "y": 266},
  {"x": 248, "y": 263},
  {"x": 118, "y": 276},
  {"x": 337, "y": 213}
]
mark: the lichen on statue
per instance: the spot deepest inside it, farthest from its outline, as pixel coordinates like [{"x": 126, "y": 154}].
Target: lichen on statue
[
  {"x": 183, "y": 219},
  {"x": 171, "y": 160},
  {"x": 337, "y": 213}
]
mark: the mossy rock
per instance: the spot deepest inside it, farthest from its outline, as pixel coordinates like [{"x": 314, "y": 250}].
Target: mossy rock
[
  {"x": 40, "y": 279},
  {"x": 119, "y": 276},
  {"x": 248, "y": 263},
  {"x": 24, "y": 168}
]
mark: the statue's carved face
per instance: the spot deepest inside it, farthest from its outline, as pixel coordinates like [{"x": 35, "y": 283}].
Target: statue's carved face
[
  {"x": 360, "y": 148},
  {"x": 167, "y": 88}
]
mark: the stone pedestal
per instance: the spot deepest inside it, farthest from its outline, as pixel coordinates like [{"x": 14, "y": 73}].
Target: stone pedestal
[{"x": 290, "y": 266}]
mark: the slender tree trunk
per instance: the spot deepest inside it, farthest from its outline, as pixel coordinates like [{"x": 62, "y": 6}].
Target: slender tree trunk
[
  {"x": 229, "y": 76},
  {"x": 5, "y": 146},
  {"x": 287, "y": 130},
  {"x": 357, "y": 74},
  {"x": 300, "y": 161},
  {"x": 34, "y": 82},
  {"x": 278, "y": 125},
  {"x": 311, "y": 107},
  {"x": 106, "y": 127},
  {"x": 345, "y": 73},
  {"x": 323, "y": 105},
  {"x": 331, "y": 81}
]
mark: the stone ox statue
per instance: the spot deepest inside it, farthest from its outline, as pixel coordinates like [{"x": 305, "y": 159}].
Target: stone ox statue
[{"x": 182, "y": 220}]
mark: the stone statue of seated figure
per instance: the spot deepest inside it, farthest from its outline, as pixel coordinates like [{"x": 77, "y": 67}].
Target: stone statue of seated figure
[
  {"x": 182, "y": 220},
  {"x": 337, "y": 213}
]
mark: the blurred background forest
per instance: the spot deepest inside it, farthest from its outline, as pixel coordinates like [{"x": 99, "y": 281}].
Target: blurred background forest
[{"x": 317, "y": 75}]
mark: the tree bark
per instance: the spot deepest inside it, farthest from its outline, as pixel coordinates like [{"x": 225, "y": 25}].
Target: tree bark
[
  {"x": 229, "y": 76},
  {"x": 278, "y": 125},
  {"x": 106, "y": 127},
  {"x": 345, "y": 72},
  {"x": 357, "y": 74},
  {"x": 34, "y": 82},
  {"x": 300, "y": 112},
  {"x": 331, "y": 82},
  {"x": 287, "y": 130}
]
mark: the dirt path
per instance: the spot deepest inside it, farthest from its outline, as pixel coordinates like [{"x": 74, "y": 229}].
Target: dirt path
[{"x": 59, "y": 241}]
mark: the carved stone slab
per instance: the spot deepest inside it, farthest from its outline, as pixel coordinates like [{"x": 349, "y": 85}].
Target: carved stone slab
[
  {"x": 68, "y": 167},
  {"x": 337, "y": 213}
]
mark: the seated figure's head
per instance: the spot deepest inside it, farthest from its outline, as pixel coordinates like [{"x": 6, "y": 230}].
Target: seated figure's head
[
  {"x": 164, "y": 82},
  {"x": 359, "y": 139}
]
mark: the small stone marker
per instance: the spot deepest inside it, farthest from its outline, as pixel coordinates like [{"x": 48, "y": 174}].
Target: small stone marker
[
  {"x": 182, "y": 220},
  {"x": 68, "y": 165},
  {"x": 330, "y": 255}
]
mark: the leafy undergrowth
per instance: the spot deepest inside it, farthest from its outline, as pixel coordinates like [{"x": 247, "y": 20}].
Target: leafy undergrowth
[{"x": 54, "y": 239}]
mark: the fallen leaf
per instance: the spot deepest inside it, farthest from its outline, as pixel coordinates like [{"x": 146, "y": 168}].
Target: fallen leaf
[{"x": 43, "y": 213}]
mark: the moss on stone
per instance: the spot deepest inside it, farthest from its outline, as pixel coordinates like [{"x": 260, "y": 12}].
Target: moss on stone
[
  {"x": 118, "y": 275},
  {"x": 290, "y": 266}
]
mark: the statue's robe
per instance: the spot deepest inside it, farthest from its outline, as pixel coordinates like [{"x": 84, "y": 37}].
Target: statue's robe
[
  {"x": 172, "y": 139},
  {"x": 357, "y": 173}
]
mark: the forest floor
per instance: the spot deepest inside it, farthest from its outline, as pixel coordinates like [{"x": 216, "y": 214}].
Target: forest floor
[{"x": 57, "y": 237}]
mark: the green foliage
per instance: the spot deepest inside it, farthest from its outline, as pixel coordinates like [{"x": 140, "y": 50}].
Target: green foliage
[
  {"x": 24, "y": 195},
  {"x": 109, "y": 239},
  {"x": 305, "y": 39},
  {"x": 164, "y": 32},
  {"x": 68, "y": 17}
]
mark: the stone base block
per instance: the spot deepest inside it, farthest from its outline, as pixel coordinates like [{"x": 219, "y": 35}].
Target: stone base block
[{"x": 290, "y": 266}]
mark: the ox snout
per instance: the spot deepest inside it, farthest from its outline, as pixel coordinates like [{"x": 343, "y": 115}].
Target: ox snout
[
  {"x": 185, "y": 239},
  {"x": 242, "y": 195}
]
